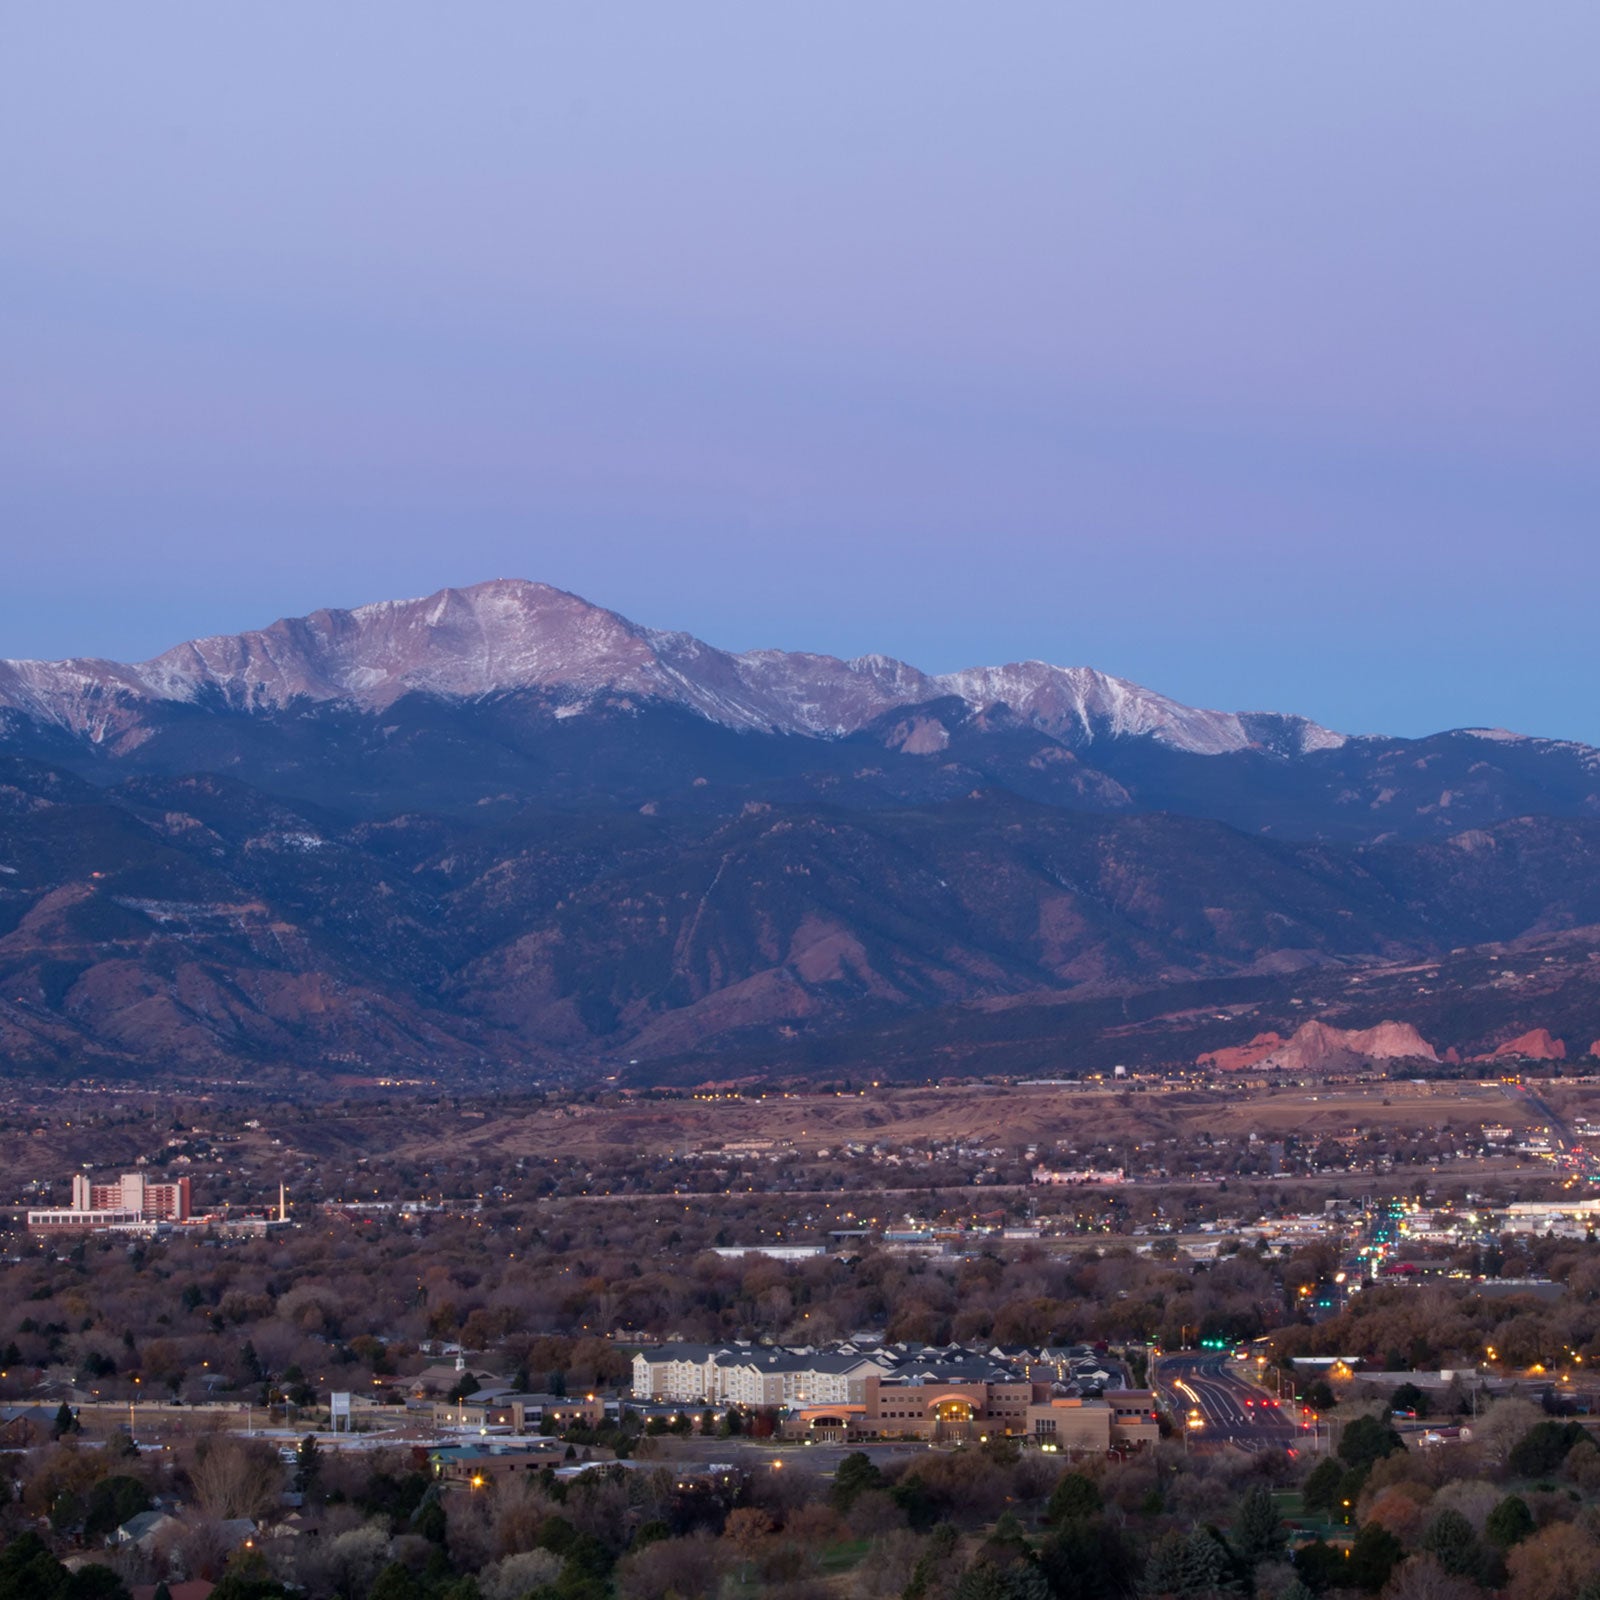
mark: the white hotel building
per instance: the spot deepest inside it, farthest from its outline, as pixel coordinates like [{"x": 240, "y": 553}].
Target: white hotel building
[{"x": 742, "y": 1375}]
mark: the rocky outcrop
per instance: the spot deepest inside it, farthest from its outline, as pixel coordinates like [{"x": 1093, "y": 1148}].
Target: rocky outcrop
[
  {"x": 1317, "y": 1046},
  {"x": 1535, "y": 1045},
  {"x": 1236, "y": 1058}
]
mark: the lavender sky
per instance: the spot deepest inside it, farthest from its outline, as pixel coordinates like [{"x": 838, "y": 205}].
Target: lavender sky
[{"x": 1248, "y": 351}]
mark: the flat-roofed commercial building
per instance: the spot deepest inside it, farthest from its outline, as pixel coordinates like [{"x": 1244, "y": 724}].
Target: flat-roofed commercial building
[
  {"x": 132, "y": 1203},
  {"x": 957, "y": 1411}
]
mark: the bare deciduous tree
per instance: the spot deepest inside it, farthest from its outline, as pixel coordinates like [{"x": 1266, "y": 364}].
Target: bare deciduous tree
[
  {"x": 519, "y": 1575},
  {"x": 235, "y": 1477},
  {"x": 690, "y": 1569}
]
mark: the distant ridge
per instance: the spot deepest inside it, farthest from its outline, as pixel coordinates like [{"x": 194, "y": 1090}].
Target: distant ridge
[{"x": 511, "y": 634}]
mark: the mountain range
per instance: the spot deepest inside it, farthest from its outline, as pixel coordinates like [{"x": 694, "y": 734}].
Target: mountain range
[
  {"x": 500, "y": 830},
  {"x": 509, "y": 636}
]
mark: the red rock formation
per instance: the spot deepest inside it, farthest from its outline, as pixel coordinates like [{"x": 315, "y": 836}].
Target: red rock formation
[
  {"x": 1536, "y": 1045},
  {"x": 1235, "y": 1058},
  {"x": 1316, "y": 1046}
]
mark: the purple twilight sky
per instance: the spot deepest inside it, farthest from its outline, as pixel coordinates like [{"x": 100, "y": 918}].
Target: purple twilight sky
[{"x": 1247, "y": 350}]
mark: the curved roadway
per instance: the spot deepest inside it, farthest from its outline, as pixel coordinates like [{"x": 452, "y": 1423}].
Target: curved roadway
[{"x": 1231, "y": 1408}]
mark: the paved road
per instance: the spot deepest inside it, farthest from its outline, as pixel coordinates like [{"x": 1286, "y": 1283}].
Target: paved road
[
  {"x": 1532, "y": 1100},
  {"x": 1231, "y": 1408},
  {"x": 1564, "y": 1144}
]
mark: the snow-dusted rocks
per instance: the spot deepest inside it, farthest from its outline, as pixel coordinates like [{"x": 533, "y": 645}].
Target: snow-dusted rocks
[{"x": 510, "y": 634}]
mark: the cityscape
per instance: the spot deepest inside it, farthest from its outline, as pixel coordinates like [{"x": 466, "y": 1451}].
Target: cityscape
[{"x": 1229, "y": 1311}]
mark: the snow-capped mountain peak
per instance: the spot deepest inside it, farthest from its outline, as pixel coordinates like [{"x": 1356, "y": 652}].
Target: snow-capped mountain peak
[{"x": 511, "y": 634}]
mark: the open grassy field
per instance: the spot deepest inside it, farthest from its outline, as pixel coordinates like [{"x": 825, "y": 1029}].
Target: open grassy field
[{"x": 983, "y": 1115}]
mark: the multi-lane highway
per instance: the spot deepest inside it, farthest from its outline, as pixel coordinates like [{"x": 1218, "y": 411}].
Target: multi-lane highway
[
  {"x": 1213, "y": 1401},
  {"x": 1567, "y": 1150}
]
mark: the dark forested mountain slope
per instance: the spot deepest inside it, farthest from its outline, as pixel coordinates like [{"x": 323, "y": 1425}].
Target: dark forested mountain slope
[
  {"x": 196, "y": 923},
  {"x": 502, "y": 829}
]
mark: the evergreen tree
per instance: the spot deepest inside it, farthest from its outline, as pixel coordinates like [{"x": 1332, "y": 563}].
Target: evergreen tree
[
  {"x": 1543, "y": 1448},
  {"x": 1350, "y": 1487},
  {"x": 111, "y": 1502},
  {"x": 95, "y": 1582},
  {"x": 1368, "y": 1439},
  {"x": 1027, "y": 1582},
  {"x": 429, "y": 1519},
  {"x": 1089, "y": 1559},
  {"x": 1451, "y": 1541},
  {"x": 395, "y": 1583},
  {"x": 1076, "y": 1495},
  {"x": 942, "y": 1544},
  {"x": 1257, "y": 1529},
  {"x": 983, "y": 1582},
  {"x": 66, "y": 1511},
  {"x": 1164, "y": 1571},
  {"x": 1007, "y": 1542},
  {"x": 28, "y": 1571},
  {"x": 1509, "y": 1523},
  {"x": 121, "y": 1446},
  {"x": 1408, "y": 1397},
  {"x": 855, "y": 1475},
  {"x": 1185, "y": 1565},
  {"x": 307, "y": 1464},
  {"x": 247, "y": 1578},
  {"x": 1319, "y": 1565},
  {"x": 66, "y": 1421},
  {"x": 1321, "y": 1489},
  {"x": 914, "y": 1498},
  {"x": 1374, "y": 1555},
  {"x": 1320, "y": 1396}
]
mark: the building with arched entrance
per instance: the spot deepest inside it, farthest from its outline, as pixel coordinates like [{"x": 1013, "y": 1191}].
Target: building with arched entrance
[{"x": 974, "y": 1412}]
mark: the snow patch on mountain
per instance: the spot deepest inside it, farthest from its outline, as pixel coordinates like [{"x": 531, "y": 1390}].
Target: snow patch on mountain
[
  {"x": 1587, "y": 754},
  {"x": 509, "y": 634}
]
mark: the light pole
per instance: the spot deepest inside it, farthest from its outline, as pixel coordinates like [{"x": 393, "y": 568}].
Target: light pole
[{"x": 1316, "y": 1431}]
